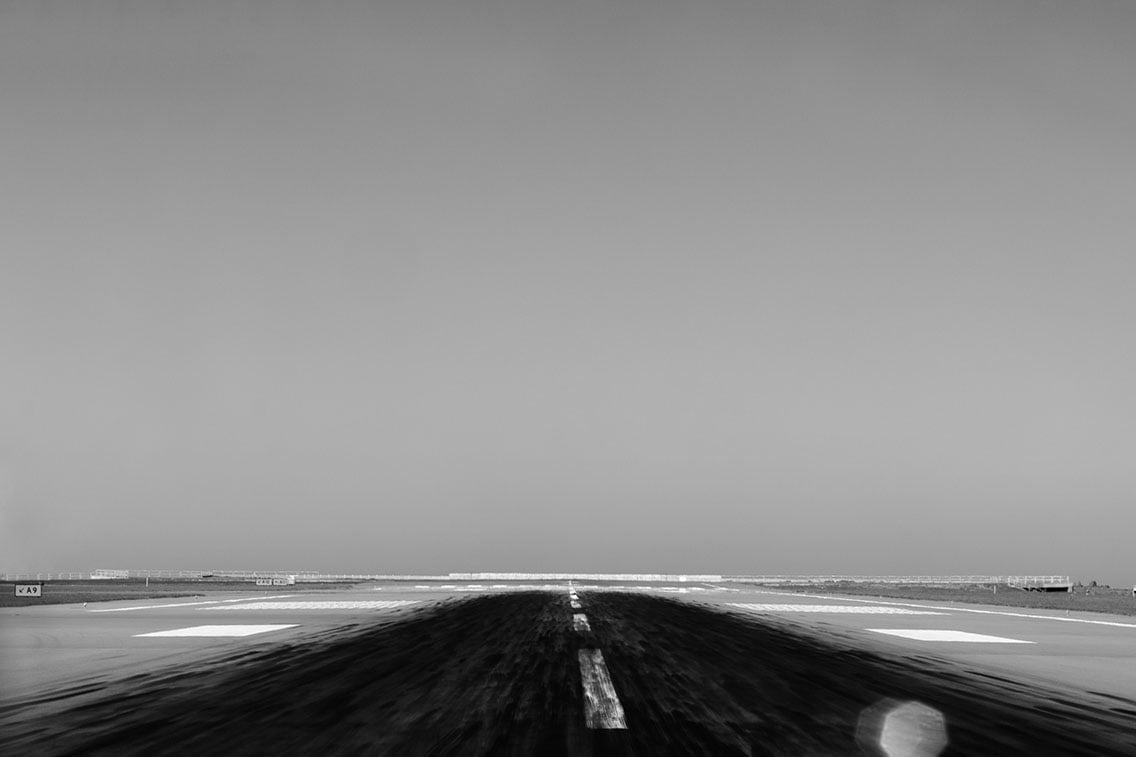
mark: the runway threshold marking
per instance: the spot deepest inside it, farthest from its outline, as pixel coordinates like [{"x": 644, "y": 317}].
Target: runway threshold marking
[
  {"x": 932, "y": 634},
  {"x": 1113, "y": 623},
  {"x": 853, "y": 609},
  {"x": 602, "y": 709},
  {"x": 243, "y": 630}
]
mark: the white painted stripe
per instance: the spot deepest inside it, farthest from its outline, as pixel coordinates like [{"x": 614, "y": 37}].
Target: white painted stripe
[
  {"x": 576, "y": 605},
  {"x": 957, "y": 608},
  {"x": 580, "y": 622},
  {"x": 187, "y": 604},
  {"x": 375, "y": 604},
  {"x": 931, "y": 634},
  {"x": 216, "y": 631},
  {"x": 155, "y": 607},
  {"x": 852, "y": 609},
  {"x": 601, "y": 704}
]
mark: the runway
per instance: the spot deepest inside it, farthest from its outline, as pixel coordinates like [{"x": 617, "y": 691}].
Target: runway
[
  {"x": 517, "y": 669},
  {"x": 1089, "y": 652}
]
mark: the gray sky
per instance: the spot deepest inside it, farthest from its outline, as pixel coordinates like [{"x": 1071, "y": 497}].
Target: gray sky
[{"x": 739, "y": 287}]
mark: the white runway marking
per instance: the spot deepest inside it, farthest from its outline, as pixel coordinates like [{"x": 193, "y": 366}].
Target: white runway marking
[
  {"x": 375, "y": 604},
  {"x": 601, "y": 704},
  {"x": 155, "y": 607},
  {"x": 216, "y": 631},
  {"x": 580, "y": 622},
  {"x": 576, "y": 605},
  {"x": 929, "y": 634},
  {"x": 190, "y": 604},
  {"x": 855, "y": 609},
  {"x": 1113, "y": 623}
]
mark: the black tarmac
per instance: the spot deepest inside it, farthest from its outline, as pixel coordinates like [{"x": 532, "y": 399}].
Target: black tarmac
[{"x": 498, "y": 675}]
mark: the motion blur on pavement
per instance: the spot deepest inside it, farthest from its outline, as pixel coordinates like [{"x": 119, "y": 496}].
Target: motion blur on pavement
[{"x": 499, "y": 674}]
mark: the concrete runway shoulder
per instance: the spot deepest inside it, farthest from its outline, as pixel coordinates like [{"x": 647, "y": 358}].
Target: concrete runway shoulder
[{"x": 500, "y": 674}]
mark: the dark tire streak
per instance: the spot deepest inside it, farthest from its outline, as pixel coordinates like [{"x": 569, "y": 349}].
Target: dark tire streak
[
  {"x": 499, "y": 675},
  {"x": 725, "y": 683}
]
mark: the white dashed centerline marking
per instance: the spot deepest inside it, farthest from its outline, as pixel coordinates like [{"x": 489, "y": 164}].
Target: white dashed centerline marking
[
  {"x": 580, "y": 622},
  {"x": 602, "y": 709},
  {"x": 576, "y": 605},
  {"x": 930, "y": 634},
  {"x": 215, "y": 631},
  {"x": 853, "y": 609}
]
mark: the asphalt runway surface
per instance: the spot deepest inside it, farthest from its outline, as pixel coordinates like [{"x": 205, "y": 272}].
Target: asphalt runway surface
[{"x": 485, "y": 670}]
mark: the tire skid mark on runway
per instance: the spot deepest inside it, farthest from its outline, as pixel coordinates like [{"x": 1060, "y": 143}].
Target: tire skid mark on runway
[
  {"x": 1115, "y": 624},
  {"x": 711, "y": 681},
  {"x": 692, "y": 679},
  {"x": 392, "y": 686}
]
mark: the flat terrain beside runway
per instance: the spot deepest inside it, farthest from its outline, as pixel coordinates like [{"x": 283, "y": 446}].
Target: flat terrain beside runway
[
  {"x": 496, "y": 671},
  {"x": 44, "y": 648},
  {"x": 1077, "y": 651},
  {"x": 1081, "y": 599},
  {"x": 77, "y": 592}
]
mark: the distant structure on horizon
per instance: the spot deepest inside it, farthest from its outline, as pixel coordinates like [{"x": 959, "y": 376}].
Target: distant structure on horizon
[{"x": 1024, "y": 583}]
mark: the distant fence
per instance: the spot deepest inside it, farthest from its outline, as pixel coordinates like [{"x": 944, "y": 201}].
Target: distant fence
[
  {"x": 309, "y": 576},
  {"x": 945, "y": 580},
  {"x": 673, "y": 577},
  {"x": 236, "y": 574},
  {"x": 312, "y": 576},
  {"x": 1040, "y": 583}
]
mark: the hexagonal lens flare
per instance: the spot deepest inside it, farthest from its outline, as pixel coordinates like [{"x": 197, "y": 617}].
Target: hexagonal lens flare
[{"x": 902, "y": 729}]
